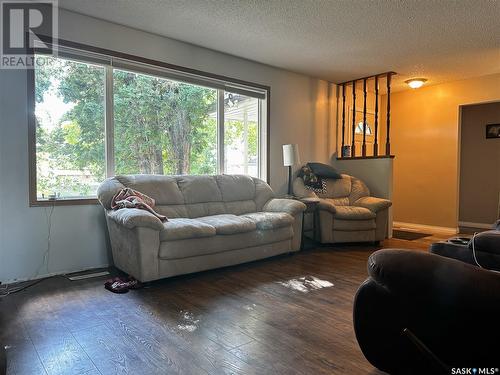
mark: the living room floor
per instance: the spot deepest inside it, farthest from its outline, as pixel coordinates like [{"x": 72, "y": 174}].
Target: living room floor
[{"x": 257, "y": 318}]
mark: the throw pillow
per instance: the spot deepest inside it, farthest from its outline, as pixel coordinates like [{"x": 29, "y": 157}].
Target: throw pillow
[
  {"x": 311, "y": 181},
  {"x": 324, "y": 170}
]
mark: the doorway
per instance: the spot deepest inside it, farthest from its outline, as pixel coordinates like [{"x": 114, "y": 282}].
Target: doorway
[{"x": 479, "y": 168}]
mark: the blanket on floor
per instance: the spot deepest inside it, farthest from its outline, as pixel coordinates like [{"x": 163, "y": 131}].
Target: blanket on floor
[{"x": 130, "y": 198}]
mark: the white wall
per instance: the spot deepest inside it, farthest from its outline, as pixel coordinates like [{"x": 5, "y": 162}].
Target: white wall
[{"x": 300, "y": 113}]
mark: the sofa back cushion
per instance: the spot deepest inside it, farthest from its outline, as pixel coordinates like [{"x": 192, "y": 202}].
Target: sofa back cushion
[
  {"x": 193, "y": 196},
  {"x": 163, "y": 189}
]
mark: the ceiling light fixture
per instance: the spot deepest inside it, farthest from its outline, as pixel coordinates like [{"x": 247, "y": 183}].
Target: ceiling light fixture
[{"x": 415, "y": 83}]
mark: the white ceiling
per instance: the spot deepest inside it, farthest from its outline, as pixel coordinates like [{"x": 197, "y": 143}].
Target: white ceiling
[{"x": 336, "y": 40}]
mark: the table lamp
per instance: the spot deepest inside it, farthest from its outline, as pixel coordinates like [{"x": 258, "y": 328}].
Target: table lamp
[{"x": 290, "y": 158}]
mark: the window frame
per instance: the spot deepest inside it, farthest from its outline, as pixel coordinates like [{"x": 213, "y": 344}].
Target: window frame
[{"x": 264, "y": 115}]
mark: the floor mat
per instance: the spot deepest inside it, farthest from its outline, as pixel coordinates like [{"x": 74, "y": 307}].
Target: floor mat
[{"x": 407, "y": 235}]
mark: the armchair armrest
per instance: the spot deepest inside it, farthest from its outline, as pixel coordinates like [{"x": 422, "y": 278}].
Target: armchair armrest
[
  {"x": 289, "y": 206},
  {"x": 373, "y": 204},
  {"x": 134, "y": 217},
  {"x": 326, "y": 205}
]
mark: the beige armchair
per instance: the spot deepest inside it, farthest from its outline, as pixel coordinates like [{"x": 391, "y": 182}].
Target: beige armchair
[{"x": 347, "y": 212}]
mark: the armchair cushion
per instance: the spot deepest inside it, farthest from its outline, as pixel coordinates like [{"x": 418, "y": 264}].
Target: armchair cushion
[
  {"x": 373, "y": 204},
  {"x": 289, "y": 206},
  {"x": 134, "y": 217},
  {"x": 353, "y": 213}
]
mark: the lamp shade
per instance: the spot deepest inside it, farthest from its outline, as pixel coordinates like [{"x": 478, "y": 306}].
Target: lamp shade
[{"x": 290, "y": 155}]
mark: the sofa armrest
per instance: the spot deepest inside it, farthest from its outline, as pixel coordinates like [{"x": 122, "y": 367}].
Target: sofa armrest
[
  {"x": 326, "y": 205},
  {"x": 488, "y": 242},
  {"x": 450, "y": 306},
  {"x": 289, "y": 206},
  {"x": 134, "y": 217},
  {"x": 430, "y": 279},
  {"x": 373, "y": 204}
]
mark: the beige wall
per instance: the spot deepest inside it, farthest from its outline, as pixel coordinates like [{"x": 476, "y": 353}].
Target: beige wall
[
  {"x": 424, "y": 138},
  {"x": 299, "y": 114},
  {"x": 479, "y": 165}
]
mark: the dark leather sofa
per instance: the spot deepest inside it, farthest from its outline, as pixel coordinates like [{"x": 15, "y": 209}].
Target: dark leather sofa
[
  {"x": 421, "y": 313},
  {"x": 487, "y": 249}
]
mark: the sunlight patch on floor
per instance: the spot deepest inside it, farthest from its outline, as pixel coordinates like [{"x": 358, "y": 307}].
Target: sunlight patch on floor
[
  {"x": 189, "y": 323},
  {"x": 306, "y": 284}
]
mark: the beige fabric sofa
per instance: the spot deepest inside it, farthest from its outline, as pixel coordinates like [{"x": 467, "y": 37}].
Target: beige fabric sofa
[
  {"x": 214, "y": 221},
  {"x": 347, "y": 212}
]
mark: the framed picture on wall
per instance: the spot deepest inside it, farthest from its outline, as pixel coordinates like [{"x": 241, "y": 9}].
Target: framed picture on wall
[{"x": 493, "y": 131}]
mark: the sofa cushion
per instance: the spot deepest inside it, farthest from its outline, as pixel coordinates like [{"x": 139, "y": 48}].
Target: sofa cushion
[
  {"x": 270, "y": 220},
  {"x": 353, "y": 225},
  {"x": 229, "y": 224},
  {"x": 205, "y": 209},
  {"x": 353, "y": 213},
  {"x": 218, "y": 244},
  {"x": 236, "y": 187},
  {"x": 179, "y": 229},
  {"x": 163, "y": 189},
  {"x": 240, "y": 207},
  {"x": 199, "y": 189},
  {"x": 263, "y": 193}
]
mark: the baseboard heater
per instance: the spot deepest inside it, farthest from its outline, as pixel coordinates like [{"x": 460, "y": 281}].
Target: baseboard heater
[{"x": 86, "y": 275}]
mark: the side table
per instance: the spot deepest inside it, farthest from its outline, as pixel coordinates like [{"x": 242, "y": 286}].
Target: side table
[{"x": 311, "y": 208}]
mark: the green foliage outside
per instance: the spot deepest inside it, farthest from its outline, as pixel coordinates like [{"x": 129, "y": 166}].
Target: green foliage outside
[{"x": 161, "y": 127}]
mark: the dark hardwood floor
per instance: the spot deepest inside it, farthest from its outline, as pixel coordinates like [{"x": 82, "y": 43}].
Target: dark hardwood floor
[{"x": 246, "y": 319}]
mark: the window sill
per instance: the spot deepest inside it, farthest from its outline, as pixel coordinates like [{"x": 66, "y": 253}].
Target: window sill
[{"x": 63, "y": 202}]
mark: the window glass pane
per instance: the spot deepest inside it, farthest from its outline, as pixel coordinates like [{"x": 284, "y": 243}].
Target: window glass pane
[
  {"x": 163, "y": 126},
  {"x": 241, "y": 134},
  {"x": 69, "y": 115}
]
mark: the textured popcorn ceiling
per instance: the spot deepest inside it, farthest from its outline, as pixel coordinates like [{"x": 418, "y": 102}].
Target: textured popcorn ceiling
[{"x": 335, "y": 40}]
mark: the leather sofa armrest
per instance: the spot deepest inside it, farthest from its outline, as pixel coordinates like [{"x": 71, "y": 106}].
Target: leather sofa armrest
[
  {"x": 289, "y": 206},
  {"x": 488, "y": 242},
  {"x": 431, "y": 280},
  {"x": 373, "y": 204},
  {"x": 326, "y": 205},
  {"x": 134, "y": 217}
]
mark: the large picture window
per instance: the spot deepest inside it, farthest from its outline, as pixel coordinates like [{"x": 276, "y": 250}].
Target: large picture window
[{"x": 94, "y": 118}]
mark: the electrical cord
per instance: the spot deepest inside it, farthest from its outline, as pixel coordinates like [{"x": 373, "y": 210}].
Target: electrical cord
[
  {"x": 473, "y": 241},
  {"x": 8, "y": 290},
  {"x": 46, "y": 254},
  {"x": 12, "y": 290},
  {"x": 474, "y": 249}
]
